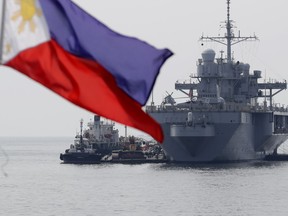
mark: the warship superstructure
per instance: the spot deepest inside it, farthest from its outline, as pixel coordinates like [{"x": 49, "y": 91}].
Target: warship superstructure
[{"x": 230, "y": 114}]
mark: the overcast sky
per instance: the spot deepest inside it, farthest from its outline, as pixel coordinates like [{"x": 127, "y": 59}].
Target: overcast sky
[{"x": 28, "y": 109}]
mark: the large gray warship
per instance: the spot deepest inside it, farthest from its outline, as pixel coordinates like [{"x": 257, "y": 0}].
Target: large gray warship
[{"x": 229, "y": 116}]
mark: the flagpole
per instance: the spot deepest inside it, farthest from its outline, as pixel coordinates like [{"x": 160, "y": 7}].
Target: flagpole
[{"x": 2, "y": 31}]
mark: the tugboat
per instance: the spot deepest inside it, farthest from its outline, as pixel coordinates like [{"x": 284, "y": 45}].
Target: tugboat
[{"x": 82, "y": 151}]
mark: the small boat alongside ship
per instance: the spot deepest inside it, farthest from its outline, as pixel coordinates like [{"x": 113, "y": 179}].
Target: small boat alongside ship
[
  {"x": 134, "y": 155},
  {"x": 100, "y": 143}
]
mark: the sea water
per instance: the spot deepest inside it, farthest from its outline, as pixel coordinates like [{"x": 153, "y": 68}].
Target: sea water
[{"x": 33, "y": 181}]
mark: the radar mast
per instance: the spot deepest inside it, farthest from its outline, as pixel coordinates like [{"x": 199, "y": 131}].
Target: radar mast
[{"x": 229, "y": 39}]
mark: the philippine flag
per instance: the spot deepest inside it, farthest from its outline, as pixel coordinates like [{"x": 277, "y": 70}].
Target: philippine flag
[{"x": 59, "y": 45}]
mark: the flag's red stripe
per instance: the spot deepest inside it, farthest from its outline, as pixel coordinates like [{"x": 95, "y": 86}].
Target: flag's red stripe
[{"x": 84, "y": 83}]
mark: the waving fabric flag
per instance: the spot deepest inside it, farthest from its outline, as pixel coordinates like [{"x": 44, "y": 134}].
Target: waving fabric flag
[{"x": 59, "y": 45}]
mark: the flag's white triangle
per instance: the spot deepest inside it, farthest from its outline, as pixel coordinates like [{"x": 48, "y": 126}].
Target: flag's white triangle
[{"x": 25, "y": 27}]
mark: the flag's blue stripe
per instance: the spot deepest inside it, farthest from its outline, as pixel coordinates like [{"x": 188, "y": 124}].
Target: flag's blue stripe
[{"x": 134, "y": 63}]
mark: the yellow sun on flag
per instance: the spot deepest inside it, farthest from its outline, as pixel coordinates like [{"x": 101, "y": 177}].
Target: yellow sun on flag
[{"x": 26, "y": 12}]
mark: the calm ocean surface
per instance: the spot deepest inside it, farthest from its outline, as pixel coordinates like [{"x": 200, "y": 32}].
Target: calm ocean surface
[{"x": 34, "y": 182}]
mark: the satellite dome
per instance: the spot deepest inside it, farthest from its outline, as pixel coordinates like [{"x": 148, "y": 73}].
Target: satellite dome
[{"x": 208, "y": 55}]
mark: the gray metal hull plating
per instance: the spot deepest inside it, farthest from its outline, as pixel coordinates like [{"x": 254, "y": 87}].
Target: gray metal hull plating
[{"x": 236, "y": 136}]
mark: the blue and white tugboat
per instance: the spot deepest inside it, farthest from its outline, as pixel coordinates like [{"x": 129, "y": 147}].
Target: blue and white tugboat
[{"x": 82, "y": 151}]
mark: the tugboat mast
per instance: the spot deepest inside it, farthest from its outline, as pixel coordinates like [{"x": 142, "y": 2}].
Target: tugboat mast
[
  {"x": 81, "y": 132},
  {"x": 230, "y": 38}
]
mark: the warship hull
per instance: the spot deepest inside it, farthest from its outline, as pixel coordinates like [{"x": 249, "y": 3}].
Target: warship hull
[{"x": 234, "y": 136}]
